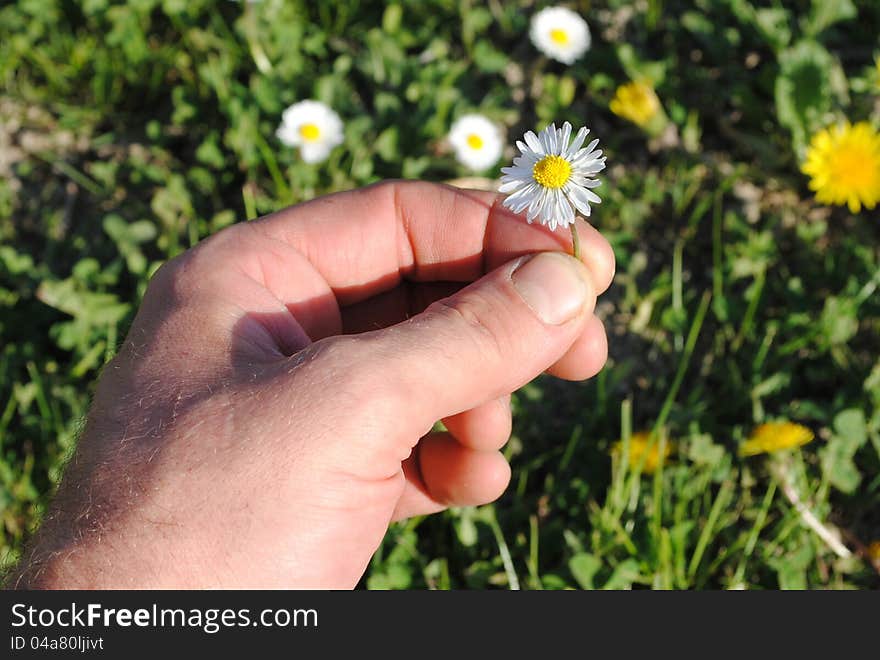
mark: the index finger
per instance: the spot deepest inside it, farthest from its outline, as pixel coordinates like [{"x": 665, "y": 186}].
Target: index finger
[{"x": 365, "y": 241}]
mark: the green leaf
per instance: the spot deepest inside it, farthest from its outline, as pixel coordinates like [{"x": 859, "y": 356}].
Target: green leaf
[
  {"x": 772, "y": 23},
  {"x": 839, "y": 321},
  {"x": 624, "y": 575},
  {"x": 791, "y": 570},
  {"x": 391, "y": 18},
  {"x": 826, "y": 13},
  {"x": 851, "y": 424},
  {"x": 803, "y": 89},
  {"x": 702, "y": 451},
  {"x": 386, "y": 144},
  {"x": 838, "y": 466},
  {"x": 637, "y": 69},
  {"x": 583, "y": 567},
  {"x": 488, "y": 58}
]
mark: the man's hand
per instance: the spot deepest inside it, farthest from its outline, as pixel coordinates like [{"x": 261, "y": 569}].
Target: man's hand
[{"x": 270, "y": 411}]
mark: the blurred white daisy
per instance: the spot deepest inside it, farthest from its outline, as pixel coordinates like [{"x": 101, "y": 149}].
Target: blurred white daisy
[
  {"x": 313, "y": 127},
  {"x": 477, "y": 142},
  {"x": 551, "y": 178},
  {"x": 560, "y": 34}
]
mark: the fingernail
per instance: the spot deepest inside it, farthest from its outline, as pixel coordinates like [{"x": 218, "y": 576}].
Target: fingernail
[{"x": 553, "y": 285}]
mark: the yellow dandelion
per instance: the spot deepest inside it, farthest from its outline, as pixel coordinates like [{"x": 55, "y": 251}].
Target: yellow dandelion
[
  {"x": 843, "y": 163},
  {"x": 637, "y": 102},
  {"x": 638, "y": 445},
  {"x": 775, "y": 436},
  {"x": 874, "y": 551}
]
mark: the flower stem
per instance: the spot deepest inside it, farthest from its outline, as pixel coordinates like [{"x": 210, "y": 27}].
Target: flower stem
[
  {"x": 808, "y": 517},
  {"x": 575, "y": 243}
]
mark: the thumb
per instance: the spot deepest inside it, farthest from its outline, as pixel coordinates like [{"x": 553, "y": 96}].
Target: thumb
[{"x": 485, "y": 341}]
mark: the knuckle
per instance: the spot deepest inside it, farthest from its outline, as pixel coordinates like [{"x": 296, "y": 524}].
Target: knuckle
[
  {"x": 468, "y": 318},
  {"x": 170, "y": 276},
  {"x": 187, "y": 273}
]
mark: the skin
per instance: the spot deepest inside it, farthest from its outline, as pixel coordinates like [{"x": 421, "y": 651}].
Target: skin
[{"x": 270, "y": 411}]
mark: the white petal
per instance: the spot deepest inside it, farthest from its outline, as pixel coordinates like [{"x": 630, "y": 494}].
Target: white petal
[
  {"x": 593, "y": 197},
  {"x": 585, "y": 155},
  {"x": 563, "y": 209},
  {"x": 580, "y": 197},
  {"x": 589, "y": 168},
  {"x": 314, "y": 153},
  {"x": 548, "y": 207},
  {"x": 288, "y": 135},
  {"x": 578, "y": 141},
  {"x": 564, "y": 137},
  {"x": 548, "y": 139},
  {"x": 518, "y": 172},
  {"x": 509, "y": 185},
  {"x": 519, "y": 200},
  {"x": 533, "y": 142},
  {"x": 521, "y": 189},
  {"x": 526, "y": 160},
  {"x": 535, "y": 206}
]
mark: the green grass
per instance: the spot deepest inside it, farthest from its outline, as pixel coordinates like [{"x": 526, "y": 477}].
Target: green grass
[{"x": 130, "y": 131}]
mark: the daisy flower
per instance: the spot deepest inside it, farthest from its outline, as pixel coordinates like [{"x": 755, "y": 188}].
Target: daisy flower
[
  {"x": 560, "y": 34},
  {"x": 551, "y": 178},
  {"x": 476, "y": 141},
  {"x": 313, "y": 127},
  {"x": 775, "y": 436},
  {"x": 843, "y": 163}
]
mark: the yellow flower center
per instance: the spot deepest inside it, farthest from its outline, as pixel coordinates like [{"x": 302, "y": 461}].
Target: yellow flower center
[
  {"x": 475, "y": 141},
  {"x": 849, "y": 165},
  {"x": 558, "y": 36},
  {"x": 552, "y": 171},
  {"x": 309, "y": 132}
]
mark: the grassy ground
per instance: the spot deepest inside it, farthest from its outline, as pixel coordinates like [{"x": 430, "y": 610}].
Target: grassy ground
[{"x": 130, "y": 131}]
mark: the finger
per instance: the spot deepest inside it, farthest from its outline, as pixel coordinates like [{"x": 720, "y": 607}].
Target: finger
[
  {"x": 442, "y": 473},
  {"x": 596, "y": 253},
  {"x": 485, "y": 428},
  {"x": 366, "y": 241},
  {"x": 583, "y": 360},
  {"x": 586, "y": 356}
]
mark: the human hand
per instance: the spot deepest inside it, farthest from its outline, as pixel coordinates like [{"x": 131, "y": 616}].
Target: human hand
[{"x": 245, "y": 436}]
